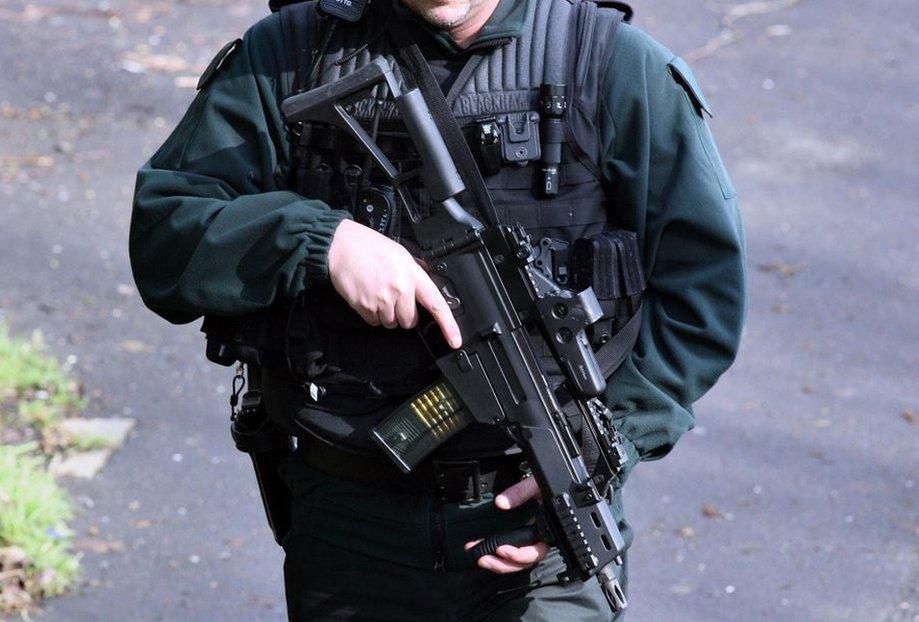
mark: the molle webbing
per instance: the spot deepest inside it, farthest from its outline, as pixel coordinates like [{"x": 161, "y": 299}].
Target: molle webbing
[
  {"x": 563, "y": 42},
  {"x": 589, "y": 55},
  {"x": 508, "y": 79}
]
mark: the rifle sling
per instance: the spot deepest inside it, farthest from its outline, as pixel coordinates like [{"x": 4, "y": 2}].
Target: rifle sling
[
  {"x": 415, "y": 64},
  {"x": 612, "y": 353}
]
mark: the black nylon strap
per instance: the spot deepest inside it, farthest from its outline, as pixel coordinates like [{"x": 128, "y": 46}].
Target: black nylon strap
[
  {"x": 253, "y": 377},
  {"x": 627, "y": 11},
  {"x": 612, "y": 353},
  {"x": 472, "y": 63},
  {"x": 584, "y": 22},
  {"x": 297, "y": 26},
  {"x": 614, "y": 22},
  {"x": 307, "y": 35},
  {"x": 572, "y": 56},
  {"x": 415, "y": 64}
]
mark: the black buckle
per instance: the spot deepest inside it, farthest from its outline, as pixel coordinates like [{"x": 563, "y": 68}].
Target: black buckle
[
  {"x": 520, "y": 137},
  {"x": 458, "y": 481}
]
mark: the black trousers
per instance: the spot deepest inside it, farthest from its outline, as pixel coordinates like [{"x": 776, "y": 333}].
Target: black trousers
[
  {"x": 328, "y": 583},
  {"x": 357, "y": 553}
]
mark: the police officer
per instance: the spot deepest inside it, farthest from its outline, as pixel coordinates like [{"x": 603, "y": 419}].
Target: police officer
[{"x": 222, "y": 227}]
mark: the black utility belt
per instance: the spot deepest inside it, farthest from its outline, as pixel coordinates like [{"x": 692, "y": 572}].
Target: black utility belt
[{"x": 449, "y": 481}]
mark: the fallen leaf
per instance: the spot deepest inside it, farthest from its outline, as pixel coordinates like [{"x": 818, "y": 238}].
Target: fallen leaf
[
  {"x": 760, "y": 7},
  {"x": 140, "y": 62},
  {"x": 134, "y": 346},
  {"x": 100, "y": 547},
  {"x": 710, "y": 511},
  {"x": 12, "y": 557},
  {"x": 32, "y": 161},
  {"x": 910, "y": 417},
  {"x": 782, "y": 268}
]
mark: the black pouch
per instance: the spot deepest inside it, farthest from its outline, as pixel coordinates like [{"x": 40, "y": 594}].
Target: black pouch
[
  {"x": 246, "y": 338},
  {"x": 346, "y": 365},
  {"x": 610, "y": 262},
  {"x": 268, "y": 447}
]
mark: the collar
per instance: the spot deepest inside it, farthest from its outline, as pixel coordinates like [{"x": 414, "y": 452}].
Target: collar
[{"x": 505, "y": 24}]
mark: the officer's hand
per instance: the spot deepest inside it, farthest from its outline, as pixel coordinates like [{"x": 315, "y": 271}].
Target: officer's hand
[
  {"x": 382, "y": 281},
  {"x": 514, "y": 558}
]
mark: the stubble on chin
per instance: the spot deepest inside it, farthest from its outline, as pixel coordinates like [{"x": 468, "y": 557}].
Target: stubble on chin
[{"x": 443, "y": 16}]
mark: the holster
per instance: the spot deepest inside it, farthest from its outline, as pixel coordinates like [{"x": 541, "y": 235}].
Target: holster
[{"x": 255, "y": 434}]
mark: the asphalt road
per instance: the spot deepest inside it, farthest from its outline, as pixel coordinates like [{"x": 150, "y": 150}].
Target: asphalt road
[{"x": 793, "y": 499}]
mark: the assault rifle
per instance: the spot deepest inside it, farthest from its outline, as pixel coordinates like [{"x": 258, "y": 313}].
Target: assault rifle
[{"x": 491, "y": 279}]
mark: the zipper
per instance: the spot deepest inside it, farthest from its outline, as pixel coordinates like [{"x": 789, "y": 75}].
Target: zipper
[{"x": 437, "y": 537}]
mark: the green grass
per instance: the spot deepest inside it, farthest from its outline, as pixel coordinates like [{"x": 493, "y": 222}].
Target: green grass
[
  {"x": 33, "y": 386},
  {"x": 35, "y": 395},
  {"x": 34, "y": 512},
  {"x": 88, "y": 442}
]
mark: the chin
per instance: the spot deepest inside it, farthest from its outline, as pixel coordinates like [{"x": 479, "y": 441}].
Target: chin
[{"x": 445, "y": 16}]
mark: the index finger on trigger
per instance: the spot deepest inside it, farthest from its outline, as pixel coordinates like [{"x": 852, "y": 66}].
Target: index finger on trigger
[{"x": 429, "y": 297}]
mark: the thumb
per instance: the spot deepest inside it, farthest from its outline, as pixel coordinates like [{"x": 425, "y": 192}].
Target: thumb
[{"x": 518, "y": 494}]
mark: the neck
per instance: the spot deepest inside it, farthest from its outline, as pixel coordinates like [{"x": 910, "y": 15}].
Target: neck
[
  {"x": 464, "y": 34},
  {"x": 461, "y": 19}
]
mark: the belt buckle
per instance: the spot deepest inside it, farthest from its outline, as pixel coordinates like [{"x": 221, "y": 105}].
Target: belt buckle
[{"x": 458, "y": 480}]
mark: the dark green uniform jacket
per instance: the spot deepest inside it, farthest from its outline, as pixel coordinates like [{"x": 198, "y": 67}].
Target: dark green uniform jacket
[{"x": 215, "y": 230}]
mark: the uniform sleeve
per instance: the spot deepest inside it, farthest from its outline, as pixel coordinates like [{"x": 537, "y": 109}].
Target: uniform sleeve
[
  {"x": 667, "y": 182},
  {"x": 213, "y": 229}
]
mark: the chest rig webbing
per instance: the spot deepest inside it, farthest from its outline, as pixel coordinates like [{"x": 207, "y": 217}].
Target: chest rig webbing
[
  {"x": 562, "y": 43},
  {"x": 495, "y": 99}
]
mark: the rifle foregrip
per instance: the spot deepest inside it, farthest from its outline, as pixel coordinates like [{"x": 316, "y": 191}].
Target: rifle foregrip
[{"x": 517, "y": 537}]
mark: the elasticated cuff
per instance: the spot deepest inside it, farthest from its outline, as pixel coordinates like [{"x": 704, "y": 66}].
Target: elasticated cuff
[{"x": 321, "y": 232}]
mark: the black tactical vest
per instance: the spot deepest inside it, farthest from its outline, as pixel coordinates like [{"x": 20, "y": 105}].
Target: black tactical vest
[{"x": 357, "y": 373}]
